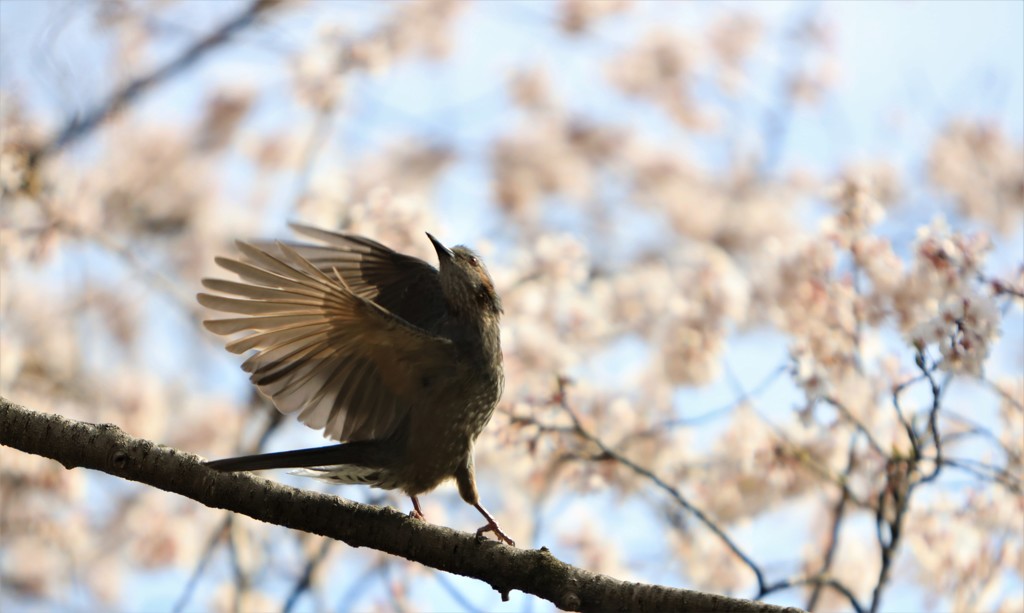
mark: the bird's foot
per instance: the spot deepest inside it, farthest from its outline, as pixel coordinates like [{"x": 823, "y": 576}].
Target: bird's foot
[
  {"x": 492, "y": 526},
  {"x": 417, "y": 512}
]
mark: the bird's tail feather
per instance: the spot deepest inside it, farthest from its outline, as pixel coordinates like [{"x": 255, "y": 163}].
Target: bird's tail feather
[{"x": 359, "y": 453}]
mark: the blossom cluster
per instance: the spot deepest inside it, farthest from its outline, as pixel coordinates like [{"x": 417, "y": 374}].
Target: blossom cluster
[{"x": 721, "y": 349}]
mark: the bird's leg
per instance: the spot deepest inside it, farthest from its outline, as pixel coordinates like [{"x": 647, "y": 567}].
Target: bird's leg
[
  {"x": 416, "y": 512},
  {"x": 465, "y": 478},
  {"x": 492, "y": 526}
]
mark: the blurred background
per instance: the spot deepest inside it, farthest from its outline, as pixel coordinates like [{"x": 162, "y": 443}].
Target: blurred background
[{"x": 752, "y": 256}]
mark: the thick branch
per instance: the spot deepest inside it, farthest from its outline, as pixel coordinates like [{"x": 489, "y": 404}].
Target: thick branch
[{"x": 108, "y": 449}]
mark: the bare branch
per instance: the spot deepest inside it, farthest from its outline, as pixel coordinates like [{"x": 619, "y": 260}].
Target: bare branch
[
  {"x": 658, "y": 481},
  {"x": 222, "y": 530},
  {"x": 818, "y": 581},
  {"x": 78, "y": 127},
  {"x": 903, "y": 476},
  {"x": 304, "y": 582},
  {"x": 842, "y": 408},
  {"x": 108, "y": 449},
  {"x": 833, "y": 539}
]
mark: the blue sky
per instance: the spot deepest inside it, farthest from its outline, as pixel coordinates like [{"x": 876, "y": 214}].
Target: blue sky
[{"x": 905, "y": 68}]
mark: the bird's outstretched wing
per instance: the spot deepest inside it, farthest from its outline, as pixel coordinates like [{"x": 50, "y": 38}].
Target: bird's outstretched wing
[
  {"x": 404, "y": 285},
  {"x": 341, "y": 361}
]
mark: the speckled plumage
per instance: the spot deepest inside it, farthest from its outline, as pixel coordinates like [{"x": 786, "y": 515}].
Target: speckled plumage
[{"x": 397, "y": 359}]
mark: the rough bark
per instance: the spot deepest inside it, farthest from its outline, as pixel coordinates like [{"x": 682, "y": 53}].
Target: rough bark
[{"x": 106, "y": 448}]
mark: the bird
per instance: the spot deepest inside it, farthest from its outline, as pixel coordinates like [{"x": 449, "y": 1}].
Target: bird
[{"x": 398, "y": 361}]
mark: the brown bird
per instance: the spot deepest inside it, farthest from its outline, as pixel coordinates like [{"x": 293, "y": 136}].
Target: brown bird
[{"x": 398, "y": 360}]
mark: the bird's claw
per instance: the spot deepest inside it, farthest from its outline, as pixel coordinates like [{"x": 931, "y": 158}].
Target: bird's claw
[
  {"x": 492, "y": 526},
  {"x": 417, "y": 512}
]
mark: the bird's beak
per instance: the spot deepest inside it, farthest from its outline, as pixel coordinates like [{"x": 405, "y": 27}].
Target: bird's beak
[{"x": 443, "y": 253}]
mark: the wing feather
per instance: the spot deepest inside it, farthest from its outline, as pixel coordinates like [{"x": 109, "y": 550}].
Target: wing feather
[
  {"x": 323, "y": 349},
  {"x": 255, "y": 292},
  {"x": 404, "y": 285}
]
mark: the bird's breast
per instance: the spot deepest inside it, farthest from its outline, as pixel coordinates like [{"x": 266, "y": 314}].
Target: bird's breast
[{"x": 447, "y": 420}]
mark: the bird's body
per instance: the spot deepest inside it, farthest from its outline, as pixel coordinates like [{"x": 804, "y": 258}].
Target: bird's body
[{"x": 399, "y": 360}]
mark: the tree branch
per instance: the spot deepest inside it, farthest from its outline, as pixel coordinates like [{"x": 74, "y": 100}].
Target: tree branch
[
  {"x": 107, "y": 448},
  {"x": 676, "y": 495},
  {"x": 77, "y": 127}
]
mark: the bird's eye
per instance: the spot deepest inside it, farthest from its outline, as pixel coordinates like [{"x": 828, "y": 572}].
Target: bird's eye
[{"x": 473, "y": 261}]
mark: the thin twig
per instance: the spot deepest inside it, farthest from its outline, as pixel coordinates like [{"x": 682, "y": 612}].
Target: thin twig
[
  {"x": 305, "y": 580},
  {"x": 359, "y": 584},
  {"x": 211, "y": 545},
  {"x": 837, "y": 518},
  {"x": 907, "y": 426},
  {"x": 818, "y": 581},
  {"x": 223, "y": 531},
  {"x": 610, "y": 453},
  {"x": 933, "y": 419},
  {"x": 987, "y": 472},
  {"x": 78, "y": 127},
  {"x": 898, "y": 489},
  {"x": 456, "y": 595},
  {"x": 900, "y": 477},
  {"x": 744, "y": 396},
  {"x": 1003, "y": 394},
  {"x": 839, "y": 406}
]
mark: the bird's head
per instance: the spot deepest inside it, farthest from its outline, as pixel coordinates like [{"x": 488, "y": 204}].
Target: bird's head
[{"x": 467, "y": 286}]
